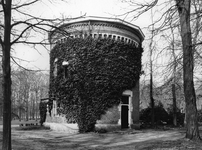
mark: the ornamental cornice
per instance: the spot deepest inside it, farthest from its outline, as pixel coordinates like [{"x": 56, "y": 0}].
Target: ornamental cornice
[{"x": 97, "y": 28}]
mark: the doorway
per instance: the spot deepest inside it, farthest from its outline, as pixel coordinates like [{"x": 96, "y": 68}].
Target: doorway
[{"x": 124, "y": 111}]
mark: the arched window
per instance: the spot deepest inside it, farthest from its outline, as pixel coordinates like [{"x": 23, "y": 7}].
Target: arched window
[
  {"x": 65, "y": 65},
  {"x": 55, "y": 67}
]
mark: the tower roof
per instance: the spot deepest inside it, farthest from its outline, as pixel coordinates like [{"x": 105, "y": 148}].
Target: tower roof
[{"x": 107, "y": 25}]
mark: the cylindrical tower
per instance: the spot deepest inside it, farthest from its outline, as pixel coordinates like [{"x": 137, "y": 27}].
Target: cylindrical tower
[{"x": 99, "y": 28}]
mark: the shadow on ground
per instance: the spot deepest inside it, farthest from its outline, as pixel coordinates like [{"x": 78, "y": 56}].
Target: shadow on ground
[{"x": 119, "y": 140}]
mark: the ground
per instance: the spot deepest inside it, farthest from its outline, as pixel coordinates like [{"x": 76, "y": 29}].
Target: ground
[{"x": 46, "y": 139}]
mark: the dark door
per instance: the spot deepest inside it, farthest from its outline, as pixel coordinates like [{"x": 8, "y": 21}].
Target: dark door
[
  {"x": 125, "y": 99},
  {"x": 124, "y": 116}
]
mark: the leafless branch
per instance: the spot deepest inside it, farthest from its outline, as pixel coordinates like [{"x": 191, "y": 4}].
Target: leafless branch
[
  {"x": 24, "y": 4},
  {"x": 140, "y": 7}
]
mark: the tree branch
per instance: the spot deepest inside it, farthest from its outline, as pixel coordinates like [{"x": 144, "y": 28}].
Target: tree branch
[{"x": 25, "y": 4}]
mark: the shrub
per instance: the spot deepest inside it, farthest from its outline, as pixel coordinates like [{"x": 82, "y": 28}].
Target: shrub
[
  {"x": 161, "y": 116},
  {"x": 180, "y": 116}
]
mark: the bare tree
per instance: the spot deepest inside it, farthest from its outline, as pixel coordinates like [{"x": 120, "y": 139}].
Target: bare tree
[
  {"x": 17, "y": 31},
  {"x": 39, "y": 89},
  {"x": 192, "y": 131},
  {"x": 151, "y": 48},
  {"x": 183, "y": 9},
  {"x": 174, "y": 77},
  {"x": 27, "y": 89},
  {"x": 6, "y": 48},
  {"x": 174, "y": 67}
]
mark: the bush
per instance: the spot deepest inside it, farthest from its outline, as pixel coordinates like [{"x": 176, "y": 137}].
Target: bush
[
  {"x": 161, "y": 116},
  {"x": 180, "y": 116}
]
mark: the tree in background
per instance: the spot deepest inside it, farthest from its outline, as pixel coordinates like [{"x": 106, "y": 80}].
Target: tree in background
[
  {"x": 174, "y": 66},
  {"x": 163, "y": 94},
  {"x": 151, "y": 48},
  {"x": 27, "y": 89}
]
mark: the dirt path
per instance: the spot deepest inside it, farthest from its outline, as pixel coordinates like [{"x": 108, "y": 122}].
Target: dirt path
[{"x": 122, "y": 140}]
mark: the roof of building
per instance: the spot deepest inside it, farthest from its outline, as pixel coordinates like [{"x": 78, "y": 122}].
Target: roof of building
[{"x": 104, "y": 19}]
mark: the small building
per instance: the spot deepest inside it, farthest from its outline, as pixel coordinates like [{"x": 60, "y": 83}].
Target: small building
[{"x": 99, "y": 27}]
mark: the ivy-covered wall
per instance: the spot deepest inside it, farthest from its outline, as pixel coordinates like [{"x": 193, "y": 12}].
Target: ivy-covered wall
[{"x": 98, "y": 71}]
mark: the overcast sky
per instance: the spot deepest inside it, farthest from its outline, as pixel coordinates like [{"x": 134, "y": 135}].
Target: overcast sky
[{"x": 72, "y": 8}]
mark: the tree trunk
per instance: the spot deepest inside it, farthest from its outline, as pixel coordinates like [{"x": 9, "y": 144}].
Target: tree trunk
[
  {"x": 33, "y": 110},
  {"x": 173, "y": 86},
  {"x": 20, "y": 114},
  {"x": 35, "y": 103},
  {"x": 36, "y": 111},
  {"x": 6, "y": 47},
  {"x": 152, "y": 101},
  {"x": 192, "y": 131},
  {"x": 27, "y": 102},
  {"x": 174, "y": 105},
  {"x": 27, "y": 111},
  {"x": 151, "y": 74}
]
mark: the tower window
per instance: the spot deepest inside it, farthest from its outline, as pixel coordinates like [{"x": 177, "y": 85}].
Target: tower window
[
  {"x": 105, "y": 36},
  {"x": 126, "y": 40},
  {"x": 100, "y": 35},
  {"x": 65, "y": 65}
]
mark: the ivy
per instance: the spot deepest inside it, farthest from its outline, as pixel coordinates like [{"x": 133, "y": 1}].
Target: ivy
[{"x": 99, "y": 71}]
